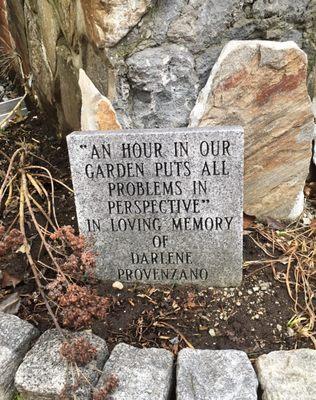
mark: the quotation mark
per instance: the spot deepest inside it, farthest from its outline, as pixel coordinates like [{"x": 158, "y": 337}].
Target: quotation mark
[
  {"x": 83, "y": 146},
  {"x": 205, "y": 201}
]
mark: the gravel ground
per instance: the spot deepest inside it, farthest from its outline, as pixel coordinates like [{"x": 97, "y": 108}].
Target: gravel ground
[{"x": 7, "y": 90}]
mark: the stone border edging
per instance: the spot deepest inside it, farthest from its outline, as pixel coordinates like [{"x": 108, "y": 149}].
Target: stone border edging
[{"x": 147, "y": 374}]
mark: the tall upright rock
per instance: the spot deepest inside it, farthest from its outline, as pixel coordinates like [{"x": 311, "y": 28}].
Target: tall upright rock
[
  {"x": 97, "y": 112},
  {"x": 261, "y": 85}
]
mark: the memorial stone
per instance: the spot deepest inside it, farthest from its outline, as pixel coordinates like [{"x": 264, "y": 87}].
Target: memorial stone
[{"x": 161, "y": 206}]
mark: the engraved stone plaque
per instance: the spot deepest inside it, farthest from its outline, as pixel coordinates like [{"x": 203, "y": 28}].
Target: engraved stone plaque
[{"x": 162, "y": 206}]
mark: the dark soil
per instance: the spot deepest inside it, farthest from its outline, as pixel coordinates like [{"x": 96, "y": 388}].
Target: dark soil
[{"x": 252, "y": 317}]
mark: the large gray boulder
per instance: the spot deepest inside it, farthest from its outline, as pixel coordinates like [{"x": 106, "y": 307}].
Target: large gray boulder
[
  {"x": 164, "y": 81},
  {"x": 16, "y": 336},
  {"x": 215, "y": 375},
  {"x": 45, "y": 374},
  {"x": 143, "y": 374},
  {"x": 288, "y": 375}
]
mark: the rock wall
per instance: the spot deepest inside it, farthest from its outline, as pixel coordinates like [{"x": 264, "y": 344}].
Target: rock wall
[{"x": 149, "y": 57}]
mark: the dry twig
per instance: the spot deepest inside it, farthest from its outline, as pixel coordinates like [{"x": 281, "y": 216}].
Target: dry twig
[{"x": 297, "y": 245}]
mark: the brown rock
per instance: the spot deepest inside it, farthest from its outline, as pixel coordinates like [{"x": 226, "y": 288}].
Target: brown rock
[
  {"x": 17, "y": 26},
  {"x": 41, "y": 68},
  {"x": 261, "y": 86},
  {"x": 109, "y": 21},
  {"x": 97, "y": 112},
  {"x": 68, "y": 110},
  {"x": 69, "y": 17}
]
